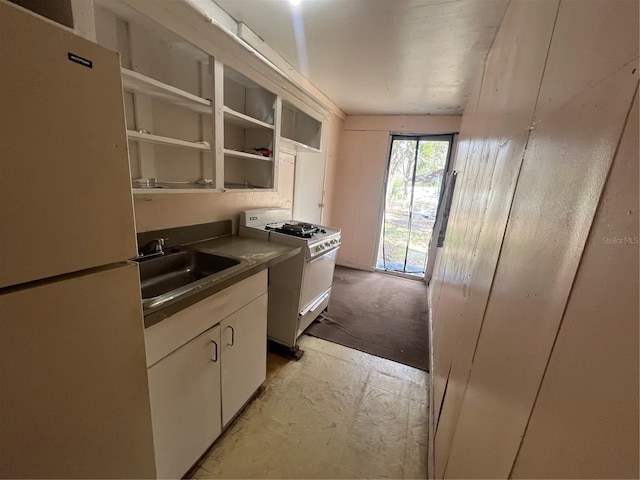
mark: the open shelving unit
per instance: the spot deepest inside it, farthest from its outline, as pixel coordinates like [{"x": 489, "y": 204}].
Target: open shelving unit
[
  {"x": 169, "y": 103},
  {"x": 195, "y": 124},
  {"x": 300, "y": 129},
  {"x": 251, "y": 116}
]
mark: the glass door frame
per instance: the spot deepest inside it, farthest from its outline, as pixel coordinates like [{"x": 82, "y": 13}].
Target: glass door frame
[{"x": 449, "y": 137}]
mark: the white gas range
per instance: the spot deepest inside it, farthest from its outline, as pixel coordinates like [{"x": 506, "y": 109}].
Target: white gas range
[{"x": 299, "y": 289}]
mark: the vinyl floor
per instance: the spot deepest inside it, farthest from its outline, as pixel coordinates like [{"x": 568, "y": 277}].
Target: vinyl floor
[{"x": 335, "y": 413}]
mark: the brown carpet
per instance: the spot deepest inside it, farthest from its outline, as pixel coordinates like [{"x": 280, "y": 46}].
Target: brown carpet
[{"x": 380, "y": 314}]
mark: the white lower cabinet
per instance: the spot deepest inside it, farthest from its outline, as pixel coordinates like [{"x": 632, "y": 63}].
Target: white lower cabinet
[
  {"x": 185, "y": 403},
  {"x": 205, "y": 362},
  {"x": 244, "y": 356}
]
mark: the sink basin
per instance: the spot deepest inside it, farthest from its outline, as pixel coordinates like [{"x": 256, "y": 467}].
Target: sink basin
[{"x": 177, "y": 273}]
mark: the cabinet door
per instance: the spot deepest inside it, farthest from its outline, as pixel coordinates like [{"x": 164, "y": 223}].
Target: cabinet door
[
  {"x": 185, "y": 403},
  {"x": 244, "y": 355}
]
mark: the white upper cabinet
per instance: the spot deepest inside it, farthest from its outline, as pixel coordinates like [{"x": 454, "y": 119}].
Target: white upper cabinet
[
  {"x": 300, "y": 129},
  {"x": 168, "y": 90},
  {"x": 250, "y": 119},
  {"x": 193, "y": 124}
]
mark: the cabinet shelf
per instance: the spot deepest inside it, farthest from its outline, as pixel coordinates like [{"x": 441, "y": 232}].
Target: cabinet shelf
[
  {"x": 139, "y": 83},
  {"x": 299, "y": 146},
  {"x": 175, "y": 187},
  {"x": 237, "y": 187},
  {"x": 164, "y": 191},
  {"x": 244, "y": 121},
  {"x": 249, "y": 156},
  {"x": 174, "y": 142}
]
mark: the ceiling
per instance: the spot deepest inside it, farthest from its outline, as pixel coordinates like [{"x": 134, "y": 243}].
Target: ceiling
[{"x": 380, "y": 56}]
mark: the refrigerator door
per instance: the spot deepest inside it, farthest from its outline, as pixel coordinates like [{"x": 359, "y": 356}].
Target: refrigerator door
[
  {"x": 74, "y": 398},
  {"x": 65, "y": 191}
]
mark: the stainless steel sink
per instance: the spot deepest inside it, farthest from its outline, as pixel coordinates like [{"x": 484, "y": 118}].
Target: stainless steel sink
[{"x": 175, "y": 274}]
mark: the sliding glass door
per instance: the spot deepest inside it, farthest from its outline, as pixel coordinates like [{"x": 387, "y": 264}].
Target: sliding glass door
[{"x": 415, "y": 173}]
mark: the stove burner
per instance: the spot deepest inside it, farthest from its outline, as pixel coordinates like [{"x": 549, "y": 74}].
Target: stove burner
[
  {"x": 303, "y": 225},
  {"x": 302, "y": 230}
]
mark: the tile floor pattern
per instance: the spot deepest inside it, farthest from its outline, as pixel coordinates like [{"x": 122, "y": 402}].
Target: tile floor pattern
[{"x": 336, "y": 413}]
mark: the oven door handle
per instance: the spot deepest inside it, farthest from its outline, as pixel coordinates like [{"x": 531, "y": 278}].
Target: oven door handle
[
  {"x": 326, "y": 252},
  {"x": 315, "y": 304}
]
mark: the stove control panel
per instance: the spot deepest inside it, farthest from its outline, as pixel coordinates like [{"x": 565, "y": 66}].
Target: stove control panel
[{"x": 324, "y": 246}]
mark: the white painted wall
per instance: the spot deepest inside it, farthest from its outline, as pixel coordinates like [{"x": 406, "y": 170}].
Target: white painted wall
[
  {"x": 537, "y": 353},
  {"x": 356, "y": 174},
  {"x": 587, "y": 408}
]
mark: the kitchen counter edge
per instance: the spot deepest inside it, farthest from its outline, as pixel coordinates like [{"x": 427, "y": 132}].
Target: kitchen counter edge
[{"x": 255, "y": 255}]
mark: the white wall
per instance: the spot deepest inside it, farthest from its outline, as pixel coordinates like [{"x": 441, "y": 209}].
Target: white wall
[
  {"x": 534, "y": 372},
  {"x": 587, "y": 407},
  {"x": 357, "y": 174}
]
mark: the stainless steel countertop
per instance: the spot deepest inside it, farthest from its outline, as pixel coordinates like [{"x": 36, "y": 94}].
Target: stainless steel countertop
[{"x": 255, "y": 255}]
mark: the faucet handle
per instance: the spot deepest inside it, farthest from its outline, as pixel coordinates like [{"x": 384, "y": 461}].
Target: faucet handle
[
  {"x": 159, "y": 244},
  {"x": 153, "y": 247}
]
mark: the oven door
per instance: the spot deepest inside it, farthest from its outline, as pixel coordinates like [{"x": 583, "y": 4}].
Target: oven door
[
  {"x": 310, "y": 313},
  {"x": 317, "y": 278}
]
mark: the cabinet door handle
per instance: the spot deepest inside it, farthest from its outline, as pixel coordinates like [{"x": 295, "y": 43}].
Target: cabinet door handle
[
  {"x": 215, "y": 351},
  {"x": 233, "y": 337}
]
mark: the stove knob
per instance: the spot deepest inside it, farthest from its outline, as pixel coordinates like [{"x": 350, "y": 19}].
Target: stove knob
[{"x": 318, "y": 248}]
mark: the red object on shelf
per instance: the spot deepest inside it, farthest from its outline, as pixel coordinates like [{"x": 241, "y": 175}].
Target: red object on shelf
[{"x": 265, "y": 152}]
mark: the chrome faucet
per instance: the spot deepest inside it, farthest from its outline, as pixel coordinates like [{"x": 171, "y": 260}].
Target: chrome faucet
[{"x": 154, "y": 247}]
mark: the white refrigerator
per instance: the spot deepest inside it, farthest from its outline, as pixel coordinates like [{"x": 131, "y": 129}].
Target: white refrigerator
[{"x": 74, "y": 398}]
